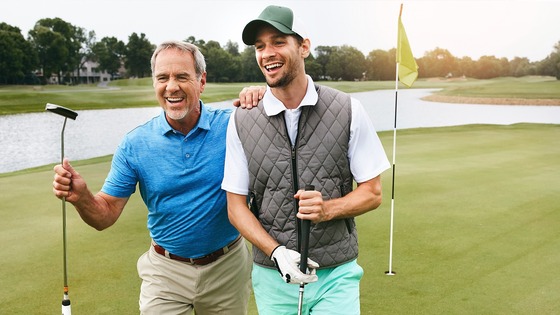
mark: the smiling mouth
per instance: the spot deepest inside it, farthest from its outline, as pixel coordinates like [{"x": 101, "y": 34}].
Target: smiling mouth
[
  {"x": 273, "y": 66},
  {"x": 174, "y": 99}
]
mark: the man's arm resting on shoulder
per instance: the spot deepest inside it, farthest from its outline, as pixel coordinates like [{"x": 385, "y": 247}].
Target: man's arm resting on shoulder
[
  {"x": 366, "y": 197},
  {"x": 247, "y": 224},
  {"x": 250, "y": 96}
]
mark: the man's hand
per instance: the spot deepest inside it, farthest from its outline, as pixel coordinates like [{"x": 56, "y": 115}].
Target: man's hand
[
  {"x": 311, "y": 206},
  {"x": 67, "y": 182},
  {"x": 250, "y": 96},
  {"x": 287, "y": 262},
  {"x": 99, "y": 211}
]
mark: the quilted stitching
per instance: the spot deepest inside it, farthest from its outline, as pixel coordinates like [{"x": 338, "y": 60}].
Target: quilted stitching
[{"x": 321, "y": 147}]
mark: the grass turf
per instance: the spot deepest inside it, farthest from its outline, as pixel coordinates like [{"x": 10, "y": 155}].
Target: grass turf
[
  {"x": 476, "y": 231},
  {"x": 128, "y": 93}
]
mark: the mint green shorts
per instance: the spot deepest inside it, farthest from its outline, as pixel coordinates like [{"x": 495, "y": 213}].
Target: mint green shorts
[{"x": 336, "y": 292}]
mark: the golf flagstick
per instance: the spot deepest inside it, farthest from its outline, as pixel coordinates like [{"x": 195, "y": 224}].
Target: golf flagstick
[
  {"x": 304, "y": 252},
  {"x": 390, "y": 272},
  {"x": 406, "y": 72},
  {"x": 66, "y": 113}
]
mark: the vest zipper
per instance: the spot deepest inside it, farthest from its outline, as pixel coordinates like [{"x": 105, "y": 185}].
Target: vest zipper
[
  {"x": 295, "y": 187},
  {"x": 295, "y": 180}
]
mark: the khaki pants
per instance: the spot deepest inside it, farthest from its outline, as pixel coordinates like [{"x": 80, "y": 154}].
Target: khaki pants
[{"x": 174, "y": 287}]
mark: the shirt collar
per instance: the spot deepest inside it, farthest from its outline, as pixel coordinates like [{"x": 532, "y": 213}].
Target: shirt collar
[
  {"x": 203, "y": 120},
  {"x": 274, "y": 106}
]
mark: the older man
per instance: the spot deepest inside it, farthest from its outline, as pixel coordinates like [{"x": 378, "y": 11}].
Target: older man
[{"x": 197, "y": 259}]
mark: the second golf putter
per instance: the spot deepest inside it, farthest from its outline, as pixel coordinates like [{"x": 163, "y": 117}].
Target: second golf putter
[{"x": 66, "y": 113}]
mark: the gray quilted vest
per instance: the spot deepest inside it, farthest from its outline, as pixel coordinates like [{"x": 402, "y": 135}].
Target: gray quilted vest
[{"x": 276, "y": 169}]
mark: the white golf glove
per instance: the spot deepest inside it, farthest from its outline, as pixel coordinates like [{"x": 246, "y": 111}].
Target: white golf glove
[{"x": 287, "y": 261}]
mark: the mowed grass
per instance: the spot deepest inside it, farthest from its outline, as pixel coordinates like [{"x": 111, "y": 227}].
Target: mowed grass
[
  {"x": 476, "y": 224},
  {"x": 121, "y": 94},
  {"x": 139, "y": 92},
  {"x": 531, "y": 87},
  {"x": 476, "y": 231}
]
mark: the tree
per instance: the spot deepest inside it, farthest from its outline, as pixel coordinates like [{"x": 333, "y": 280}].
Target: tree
[
  {"x": 551, "y": 64},
  {"x": 466, "y": 67},
  {"x": 65, "y": 46},
  {"x": 109, "y": 53},
  {"x": 249, "y": 69},
  {"x": 220, "y": 65},
  {"x": 488, "y": 67},
  {"x": 85, "y": 53},
  {"x": 380, "y": 65},
  {"x": 60, "y": 47},
  {"x": 199, "y": 43},
  {"x": 17, "y": 58},
  {"x": 138, "y": 54},
  {"x": 504, "y": 67},
  {"x": 323, "y": 56},
  {"x": 346, "y": 63},
  {"x": 51, "y": 50},
  {"x": 438, "y": 63},
  {"x": 555, "y": 58},
  {"x": 519, "y": 67},
  {"x": 313, "y": 68},
  {"x": 232, "y": 48}
]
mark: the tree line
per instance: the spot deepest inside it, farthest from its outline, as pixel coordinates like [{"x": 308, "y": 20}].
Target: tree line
[{"x": 56, "y": 47}]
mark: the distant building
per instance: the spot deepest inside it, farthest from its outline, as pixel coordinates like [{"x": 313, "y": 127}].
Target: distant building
[{"x": 89, "y": 74}]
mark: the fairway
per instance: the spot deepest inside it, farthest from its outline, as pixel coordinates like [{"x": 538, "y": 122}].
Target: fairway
[
  {"x": 130, "y": 93},
  {"x": 476, "y": 231}
]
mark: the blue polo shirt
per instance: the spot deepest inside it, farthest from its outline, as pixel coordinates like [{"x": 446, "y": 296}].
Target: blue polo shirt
[{"x": 179, "y": 180}]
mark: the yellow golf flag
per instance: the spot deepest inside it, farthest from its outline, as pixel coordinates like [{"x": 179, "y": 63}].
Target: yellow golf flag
[{"x": 408, "y": 69}]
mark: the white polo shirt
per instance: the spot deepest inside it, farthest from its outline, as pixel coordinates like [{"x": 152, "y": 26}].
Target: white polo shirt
[{"x": 365, "y": 151}]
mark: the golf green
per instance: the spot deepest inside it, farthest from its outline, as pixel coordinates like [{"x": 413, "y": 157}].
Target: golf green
[{"x": 475, "y": 231}]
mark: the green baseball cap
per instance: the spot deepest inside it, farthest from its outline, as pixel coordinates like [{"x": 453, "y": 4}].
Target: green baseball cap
[{"x": 281, "y": 18}]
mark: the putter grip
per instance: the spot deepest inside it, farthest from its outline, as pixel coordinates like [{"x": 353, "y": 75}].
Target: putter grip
[
  {"x": 305, "y": 226},
  {"x": 66, "y": 308}
]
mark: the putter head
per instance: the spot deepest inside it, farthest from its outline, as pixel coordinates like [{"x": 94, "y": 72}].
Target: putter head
[{"x": 61, "y": 110}]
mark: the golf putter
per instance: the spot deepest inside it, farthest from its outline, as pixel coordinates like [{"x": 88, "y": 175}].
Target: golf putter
[
  {"x": 66, "y": 113},
  {"x": 304, "y": 252}
]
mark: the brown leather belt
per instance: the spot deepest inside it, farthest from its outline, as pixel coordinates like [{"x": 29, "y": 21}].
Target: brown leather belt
[{"x": 205, "y": 260}]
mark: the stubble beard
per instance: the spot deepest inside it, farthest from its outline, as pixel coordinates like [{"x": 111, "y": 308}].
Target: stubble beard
[{"x": 283, "y": 81}]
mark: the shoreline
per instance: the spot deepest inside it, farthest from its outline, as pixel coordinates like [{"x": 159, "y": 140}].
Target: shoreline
[{"x": 490, "y": 100}]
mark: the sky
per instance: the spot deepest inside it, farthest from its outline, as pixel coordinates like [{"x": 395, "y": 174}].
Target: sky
[{"x": 475, "y": 28}]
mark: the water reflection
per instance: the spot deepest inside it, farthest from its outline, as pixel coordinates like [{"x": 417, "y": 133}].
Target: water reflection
[{"x": 29, "y": 140}]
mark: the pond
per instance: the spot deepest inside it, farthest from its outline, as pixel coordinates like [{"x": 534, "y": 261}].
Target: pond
[{"x": 30, "y": 140}]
